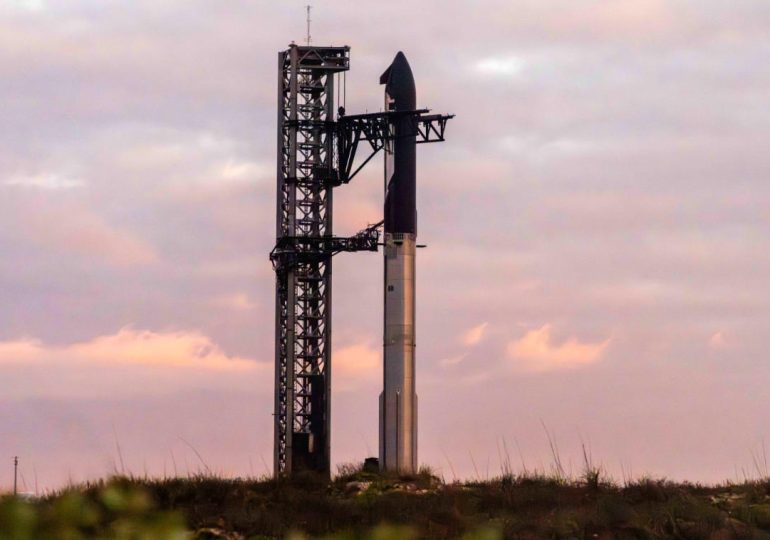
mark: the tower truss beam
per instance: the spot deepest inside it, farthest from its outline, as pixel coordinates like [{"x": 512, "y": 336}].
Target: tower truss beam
[{"x": 374, "y": 128}]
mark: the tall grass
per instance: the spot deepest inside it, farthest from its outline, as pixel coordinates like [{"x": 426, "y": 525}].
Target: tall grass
[{"x": 515, "y": 505}]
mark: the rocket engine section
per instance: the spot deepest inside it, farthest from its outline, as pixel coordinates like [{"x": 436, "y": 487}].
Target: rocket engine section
[{"x": 398, "y": 401}]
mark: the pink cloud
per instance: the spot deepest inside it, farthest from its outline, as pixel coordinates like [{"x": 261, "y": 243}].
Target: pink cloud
[
  {"x": 129, "y": 362},
  {"x": 176, "y": 349},
  {"x": 598, "y": 19},
  {"x": 358, "y": 215},
  {"x": 237, "y": 302},
  {"x": 354, "y": 365},
  {"x": 19, "y": 351},
  {"x": 49, "y": 181},
  {"x": 474, "y": 335},
  {"x": 72, "y": 229},
  {"x": 536, "y": 351},
  {"x": 717, "y": 340},
  {"x": 606, "y": 202},
  {"x": 452, "y": 360},
  {"x": 632, "y": 16}
]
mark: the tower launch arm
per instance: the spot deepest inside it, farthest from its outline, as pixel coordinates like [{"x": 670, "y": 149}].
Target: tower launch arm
[{"x": 374, "y": 128}]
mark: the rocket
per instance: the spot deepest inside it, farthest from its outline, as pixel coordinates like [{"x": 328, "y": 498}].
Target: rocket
[{"x": 398, "y": 401}]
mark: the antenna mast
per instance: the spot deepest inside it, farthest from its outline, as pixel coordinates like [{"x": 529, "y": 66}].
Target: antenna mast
[{"x": 308, "y": 7}]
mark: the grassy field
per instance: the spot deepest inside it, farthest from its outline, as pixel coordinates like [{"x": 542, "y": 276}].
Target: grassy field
[{"x": 357, "y": 504}]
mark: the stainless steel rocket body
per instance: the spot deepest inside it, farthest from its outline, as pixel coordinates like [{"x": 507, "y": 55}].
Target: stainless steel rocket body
[{"x": 398, "y": 401}]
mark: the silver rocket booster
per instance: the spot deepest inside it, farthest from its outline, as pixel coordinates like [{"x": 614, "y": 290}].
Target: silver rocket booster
[{"x": 398, "y": 401}]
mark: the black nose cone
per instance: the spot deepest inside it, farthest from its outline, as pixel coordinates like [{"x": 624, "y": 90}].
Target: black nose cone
[
  {"x": 399, "y": 83},
  {"x": 400, "y": 163}
]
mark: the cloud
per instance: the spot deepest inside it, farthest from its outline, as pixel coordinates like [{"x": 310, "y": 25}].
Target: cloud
[
  {"x": 358, "y": 213},
  {"x": 45, "y": 181},
  {"x": 452, "y": 360},
  {"x": 587, "y": 187},
  {"x": 128, "y": 362},
  {"x": 89, "y": 236},
  {"x": 632, "y": 16},
  {"x": 506, "y": 66},
  {"x": 238, "y": 302},
  {"x": 22, "y": 350},
  {"x": 176, "y": 349},
  {"x": 29, "y": 5},
  {"x": 474, "y": 379},
  {"x": 536, "y": 351},
  {"x": 474, "y": 335},
  {"x": 355, "y": 365},
  {"x": 717, "y": 340},
  {"x": 68, "y": 227},
  {"x": 244, "y": 171}
]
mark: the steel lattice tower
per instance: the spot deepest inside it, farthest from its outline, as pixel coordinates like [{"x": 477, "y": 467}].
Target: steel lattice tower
[{"x": 303, "y": 291}]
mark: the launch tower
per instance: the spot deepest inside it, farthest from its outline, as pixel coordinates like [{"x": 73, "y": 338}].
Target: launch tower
[{"x": 316, "y": 153}]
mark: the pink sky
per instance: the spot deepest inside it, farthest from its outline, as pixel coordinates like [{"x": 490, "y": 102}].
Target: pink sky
[{"x": 598, "y": 226}]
